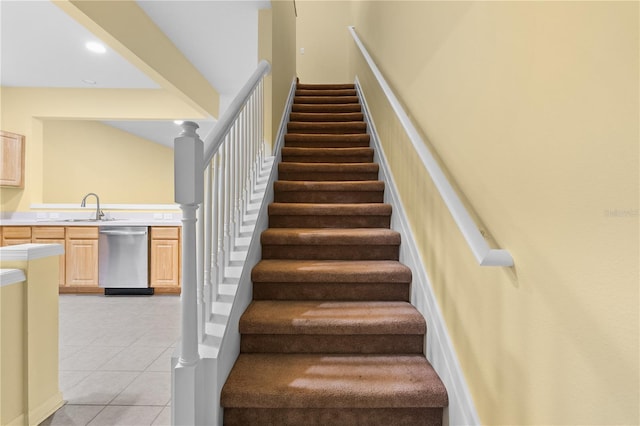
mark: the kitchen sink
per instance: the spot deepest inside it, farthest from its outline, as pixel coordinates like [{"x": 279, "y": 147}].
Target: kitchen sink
[{"x": 90, "y": 220}]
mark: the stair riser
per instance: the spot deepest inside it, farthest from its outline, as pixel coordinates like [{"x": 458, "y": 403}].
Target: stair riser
[
  {"x": 331, "y": 291},
  {"x": 325, "y": 100},
  {"x": 332, "y": 344},
  {"x": 333, "y": 416},
  {"x": 319, "y": 129},
  {"x": 326, "y": 117},
  {"x": 361, "y": 158},
  {"x": 326, "y": 92},
  {"x": 326, "y": 108},
  {"x": 330, "y": 252},
  {"x": 295, "y": 221},
  {"x": 328, "y": 197},
  {"x": 298, "y": 143},
  {"x": 333, "y": 177},
  {"x": 323, "y": 86},
  {"x": 326, "y": 141}
]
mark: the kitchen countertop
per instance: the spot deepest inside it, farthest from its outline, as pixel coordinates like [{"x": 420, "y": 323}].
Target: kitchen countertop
[{"x": 121, "y": 219}]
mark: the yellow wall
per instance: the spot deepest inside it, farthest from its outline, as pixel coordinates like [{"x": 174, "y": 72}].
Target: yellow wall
[
  {"x": 29, "y": 338},
  {"x": 322, "y": 32},
  {"x": 118, "y": 166},
  {"x": 24, "y": 109},
  {"x": 533, "y": 108},
  {"x": 12, "y": 356},
  {"x": 284, "y": 56},
  {"x": 265, "y": 51}
]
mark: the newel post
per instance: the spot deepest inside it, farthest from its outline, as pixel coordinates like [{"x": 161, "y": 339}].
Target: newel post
[{"x": 189, "y": 193}]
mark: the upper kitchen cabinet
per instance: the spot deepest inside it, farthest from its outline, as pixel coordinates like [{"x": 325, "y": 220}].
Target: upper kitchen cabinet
[{"x": 12, "y": 153}]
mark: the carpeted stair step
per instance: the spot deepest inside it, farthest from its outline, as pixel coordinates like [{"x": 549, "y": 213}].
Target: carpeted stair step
[
  {"x": 277, "y": 326},
  {"x": 326, "y": 92},
  {"x": 325, "y": 100},
  {"x": 328, "y": 192},
  {"x": 302, "y": 86},
  {"x": 314, "y": 215},
  {"x": 325, "y": 389},
  {"x": 327, "y": 128},
  {"x": 326, "y": 108},
  {"x": 326, "y": 141},
  {"x": 330, "y": 244},
  {"x": 326, "y": 116},
  {"x": 278, "y": 279},
  {"x": 327, "y": 171},
  {"x": 327, "y": 155}
]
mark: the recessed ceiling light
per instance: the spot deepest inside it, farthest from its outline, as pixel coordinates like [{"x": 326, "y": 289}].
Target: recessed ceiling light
[
  {"x": 95, "y": 47},
  {"x": 178, "y": 122},
  {"x": 87, "y": 81}
]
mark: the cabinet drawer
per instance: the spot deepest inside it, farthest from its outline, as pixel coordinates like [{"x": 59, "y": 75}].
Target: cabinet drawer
[
  {"x": 48, "y": 232},
  {"x": 11, "y": 232},
  {"x": 165, "y": 233},
  {"x": 82, "y": 232}
]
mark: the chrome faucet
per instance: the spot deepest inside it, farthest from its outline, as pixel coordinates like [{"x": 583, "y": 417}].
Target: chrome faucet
[{"x": 99, "y": 213}]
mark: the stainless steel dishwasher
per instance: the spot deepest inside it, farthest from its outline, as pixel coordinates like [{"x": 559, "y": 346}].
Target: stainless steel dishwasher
[{"x": 123, "y": 260}]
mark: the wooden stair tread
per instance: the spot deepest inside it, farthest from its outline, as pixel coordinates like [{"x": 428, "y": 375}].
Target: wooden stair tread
[
  {"x": 326, "y": 108},
  {"x": 327, "y": 209},
  {"x": 322, "y": 317},
  {"x": 367, "y": 186},
  {"x": 322, "y": 236},
  {"x": 325, "y": 100},
  {"x": 325, "y": 381},
  {"x": 325, "y": 92},
  {"x": 326, "y": 116},
  {"x": 328, "y": 167},
  {"x": 331, "y": 271},
  {"x": 326, "y": 86}
]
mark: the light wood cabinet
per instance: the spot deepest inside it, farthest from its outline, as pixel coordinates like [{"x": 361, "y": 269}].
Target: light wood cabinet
[
  {"x": 52, "y": 235},
  {"x": 12, "y": 159},
  {"x": 81, "y": 259},
  {"x": 12, "y": 235},
  {"x": 165, "y": 259}
]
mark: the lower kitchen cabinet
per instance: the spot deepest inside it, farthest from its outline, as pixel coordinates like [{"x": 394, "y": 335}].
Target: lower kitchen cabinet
[
  {"x": 52, "y": 235},
  {"x": 81, "y": 260},
  {"x": 14, "y": 235},
  {"x": 164, "y": 259}
]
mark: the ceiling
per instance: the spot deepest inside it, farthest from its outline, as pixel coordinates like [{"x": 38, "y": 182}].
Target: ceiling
[{"x": 41, "y": 46}]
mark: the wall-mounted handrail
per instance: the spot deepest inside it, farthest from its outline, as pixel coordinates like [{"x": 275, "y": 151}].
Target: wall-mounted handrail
[{"x": 485, "y": 255}]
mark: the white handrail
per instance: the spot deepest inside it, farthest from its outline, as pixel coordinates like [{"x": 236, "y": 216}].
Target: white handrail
[
  {"x": 216, "y": 136},
  {"x": 485, "y": 255}
]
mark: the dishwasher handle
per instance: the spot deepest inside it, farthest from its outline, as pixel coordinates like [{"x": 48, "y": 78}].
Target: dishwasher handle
[{"x": 124, "y": 232}]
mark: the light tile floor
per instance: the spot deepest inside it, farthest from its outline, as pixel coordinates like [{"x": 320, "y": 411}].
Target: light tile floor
[{"x": 115, "y": 359}]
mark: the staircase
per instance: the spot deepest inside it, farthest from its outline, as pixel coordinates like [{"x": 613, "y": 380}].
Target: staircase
[{"x": 330, "y": 337}]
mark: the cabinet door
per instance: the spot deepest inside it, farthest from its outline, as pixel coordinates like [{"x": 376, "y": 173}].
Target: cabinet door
[
  {"x": 165, "y": 268},
  {"x": 12, "y": 159},
  {"x": 82, "y": 263}
]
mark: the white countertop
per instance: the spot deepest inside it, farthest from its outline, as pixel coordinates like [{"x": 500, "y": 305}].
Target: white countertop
[{"x": 114, "y": 219}]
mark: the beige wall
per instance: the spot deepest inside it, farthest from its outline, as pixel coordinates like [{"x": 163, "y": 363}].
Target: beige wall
[
  {"x": 88, "y": 156},
  {"x": 322, "y": 32},
  {"x": 25, "y": 109},
  {"x": 283, "y": 55},
  {"x": 533, "y": 108}
]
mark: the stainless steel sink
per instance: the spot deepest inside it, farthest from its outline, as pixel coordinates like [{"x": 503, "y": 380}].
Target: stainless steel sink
[{"x": 89, "y": 220}]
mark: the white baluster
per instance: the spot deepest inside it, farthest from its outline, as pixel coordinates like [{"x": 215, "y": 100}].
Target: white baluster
[{"x": 207, "y": 289}]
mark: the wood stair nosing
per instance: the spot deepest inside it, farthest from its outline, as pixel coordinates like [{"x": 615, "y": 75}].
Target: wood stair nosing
[
  {"x": 329, "y": 192},
  {"x": 325, "y": 92},
  {"x": 325, "y": 86}
]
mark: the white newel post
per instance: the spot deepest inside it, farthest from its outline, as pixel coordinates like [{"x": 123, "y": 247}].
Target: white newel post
[{"x": 189, "y": 191}]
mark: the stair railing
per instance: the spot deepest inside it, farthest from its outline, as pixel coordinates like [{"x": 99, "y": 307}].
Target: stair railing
[
  {"x": 220, "y": 173},
  {"x": 485, "y": 255}
]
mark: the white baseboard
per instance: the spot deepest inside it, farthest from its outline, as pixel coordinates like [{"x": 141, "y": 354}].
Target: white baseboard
[{"x": 439, "y": 347}]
